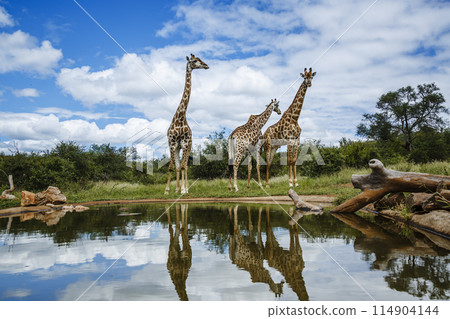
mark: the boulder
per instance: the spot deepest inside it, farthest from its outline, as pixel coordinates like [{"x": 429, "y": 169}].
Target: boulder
[
  {"x": 8, "y": 196},
  {"x": 28, "y": 199},
  {"x": 437, "y": 220},
  {"x": 52, "y": 195}
]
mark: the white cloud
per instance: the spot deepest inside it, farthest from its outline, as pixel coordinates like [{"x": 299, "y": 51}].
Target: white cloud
[
  {"x": 20, "y": 51},
  {"x": 255, "y": 53},
  {"x": 38, "y": 132},
  {"x": 5, "y": 18},
  {"x": 66, "y": 114},
  {"x": 27, "y": 92}
]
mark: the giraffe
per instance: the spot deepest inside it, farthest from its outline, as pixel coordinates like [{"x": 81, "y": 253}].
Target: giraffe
[
  {"x": 289, "y": 262},
  {"x": 179, "y": 260},
  {"x": 179, "y": 133},
  {"x": 287, "y": 131},
  {"x": 249, "y": 256},
  {"x": 248, "y": 137}
]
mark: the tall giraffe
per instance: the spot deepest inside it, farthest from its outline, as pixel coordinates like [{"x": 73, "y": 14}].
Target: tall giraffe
[
  {"x": 179, "y": 261},
  {"x": 248, "y": 254},
  {"x": 248, "y": 137},
  {"x": 290, "y": 262},
  {"x": 179, "y": 133},
  {"x": 287, "y": 131}
]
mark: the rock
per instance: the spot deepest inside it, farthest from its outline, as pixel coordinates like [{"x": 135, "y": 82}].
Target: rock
[
  {"x": 52, "y": 195},
  {"x": 8, "y": 196},
  {"x": 50, "y": 218},
  {"x": 437, "y": 220},
  {"x": 80, "y": 208},
  {"x": 28, "y": 199},
  {"x": 26, "y": 217}
]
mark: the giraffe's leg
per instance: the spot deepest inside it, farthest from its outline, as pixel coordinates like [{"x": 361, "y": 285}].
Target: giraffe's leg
[
  {"x": 258, "y": 166},
  {"x": 230, "y": 173},
  {"x": 177, "y": 189},
  {"x": 183, "y": 208},
  {"x": 250, "y": 224},
  {"x": 290, "y": 168},
  {"x": 249, "y": 169},
  {"x": 273, "y": 150},
  {"x": 166, "y": 192},
  {"x": 186, "y": 180},
  {"x": 172, "y": 162},
  {"x": 184, "y": 166},
  {"x": 236, "y": 163},
  {"x": 177, "y": 168},
  {"x": 182, "y": 181},
  {"x": 267, "y": 149},
  {"x": 235, "y": 211},
  {"x": 294, "y": 161}
]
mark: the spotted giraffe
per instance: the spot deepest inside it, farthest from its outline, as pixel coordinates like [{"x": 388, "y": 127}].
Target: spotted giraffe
[
  {"x": 248, "y": 254},
  {"x": 179, "y": 260},
  {"x": 287, "y": 131},
  {"x": 248, "y": 137},
  {"x": 289, "y": 262},
  {"x": 179, "y": 133}
]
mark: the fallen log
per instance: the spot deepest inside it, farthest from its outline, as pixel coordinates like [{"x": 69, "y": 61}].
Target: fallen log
[
  {"x": 6, "y": 194},
  {"x": 302, "y": 208},
  {"x": 437, "y": 201},
  {"x": 301, "y": 205},
  {"x": 383, "y": 181},
  {"x": 390, "y": 201}
]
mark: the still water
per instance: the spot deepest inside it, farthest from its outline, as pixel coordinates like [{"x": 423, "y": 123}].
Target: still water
[{"x": 214, "y": 252}]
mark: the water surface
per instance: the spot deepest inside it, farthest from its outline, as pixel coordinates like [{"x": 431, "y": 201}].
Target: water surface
[{"x": 214, "y": 252}]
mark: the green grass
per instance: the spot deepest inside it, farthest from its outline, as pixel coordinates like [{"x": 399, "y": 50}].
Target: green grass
[{"x": 337, "y": 184}]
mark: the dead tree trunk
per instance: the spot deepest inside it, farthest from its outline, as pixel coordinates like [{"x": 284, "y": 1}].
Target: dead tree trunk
[
  {"x": 302, "y": 205},
  {"x": 6, "y": 194},
  {"x": 383, "y": 181}
]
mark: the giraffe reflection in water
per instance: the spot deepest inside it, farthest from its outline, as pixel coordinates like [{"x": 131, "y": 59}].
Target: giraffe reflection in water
[
  {"x": 250, "y": 255},
  {"x": 180, "y": 255}
]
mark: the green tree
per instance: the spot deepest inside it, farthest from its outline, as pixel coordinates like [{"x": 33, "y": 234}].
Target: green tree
[{"x": 403, "y": 113}]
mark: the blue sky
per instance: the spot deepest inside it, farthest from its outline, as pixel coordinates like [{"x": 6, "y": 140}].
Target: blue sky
[{"x": 63, "y": 78}]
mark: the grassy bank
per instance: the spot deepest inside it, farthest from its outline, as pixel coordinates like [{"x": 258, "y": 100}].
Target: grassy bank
[{"x": 337, "y": 184}]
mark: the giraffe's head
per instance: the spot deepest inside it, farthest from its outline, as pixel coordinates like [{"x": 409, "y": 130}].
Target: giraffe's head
[
  {"x": 308, "y": 76},
  {"x": 275, "y": 106},
  {"x": 196, "y": 63}
]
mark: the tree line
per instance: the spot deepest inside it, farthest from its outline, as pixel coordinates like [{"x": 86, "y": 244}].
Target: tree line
[{"x": 408, "y": 126}]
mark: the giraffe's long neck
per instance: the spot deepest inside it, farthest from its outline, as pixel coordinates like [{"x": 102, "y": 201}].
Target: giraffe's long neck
[
  {"x": 293, "y": 112},
  {"x": 181, "y": 111},
  {"x": 264, "y": 116}
]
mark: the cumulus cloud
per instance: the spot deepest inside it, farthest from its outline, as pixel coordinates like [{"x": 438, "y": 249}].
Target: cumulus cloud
[
  {"x": 27, "y": 92},
  {"x": 66, "y": 114},
  {"x": 256, "y": 52},
  {"x": 5, "y": 18},
  {"x": 38, "y": 132},
  {"x": 20, "y": 51}
]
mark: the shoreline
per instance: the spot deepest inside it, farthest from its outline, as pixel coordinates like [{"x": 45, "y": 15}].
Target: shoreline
[{"x": 325, "y": 200}]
